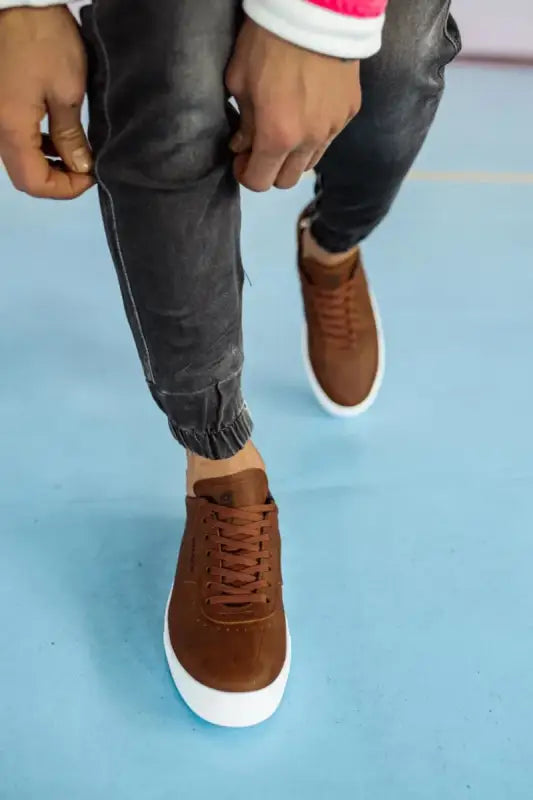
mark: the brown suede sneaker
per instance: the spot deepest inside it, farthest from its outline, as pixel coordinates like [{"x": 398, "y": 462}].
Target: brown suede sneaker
[
  {"x": 343, "y": 345},
  {"x": 226, "y": 638}
]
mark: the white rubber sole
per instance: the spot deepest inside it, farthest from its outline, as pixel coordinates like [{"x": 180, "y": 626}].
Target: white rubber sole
[
  {"x": 326, "y": 402},
  {"x": 228, "y": 709}
]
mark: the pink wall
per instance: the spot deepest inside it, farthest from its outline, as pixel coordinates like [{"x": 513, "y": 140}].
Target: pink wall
[{"x": 496, "y": 27}]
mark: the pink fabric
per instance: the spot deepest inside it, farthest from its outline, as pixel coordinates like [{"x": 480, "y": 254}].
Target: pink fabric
[{"x": 353, "y": 8}]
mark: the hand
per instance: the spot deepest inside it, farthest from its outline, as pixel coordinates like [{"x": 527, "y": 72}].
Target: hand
[
  {"x": 292, "y": 102},
  {"x": 43, "y": 72}
]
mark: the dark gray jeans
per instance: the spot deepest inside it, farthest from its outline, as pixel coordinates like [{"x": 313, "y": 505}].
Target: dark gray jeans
[{"x": 160, "y": 124}]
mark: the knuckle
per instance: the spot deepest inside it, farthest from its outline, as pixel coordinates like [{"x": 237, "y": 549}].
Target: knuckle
[
  {"x": 24, "y": 180},
  {"x": 32, "y": 187},
  {"x": 74, "y": 100},
  {"x": 281, "y": 138},
  {"x": 8, "y": 126},
  {"x": 18, "y": 184},
  {"x": 27, "y": 185},
  {"x": 317, "y": 138},
  {"x": 71, "y": 95},
  {"x": 19, "y": 179},
  {"x": 67, "y": 135}
]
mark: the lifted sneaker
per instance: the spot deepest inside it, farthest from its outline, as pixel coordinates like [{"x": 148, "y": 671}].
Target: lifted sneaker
[
  {"x": 226, "y": 637},
  {"x": 343, "y": 346}
]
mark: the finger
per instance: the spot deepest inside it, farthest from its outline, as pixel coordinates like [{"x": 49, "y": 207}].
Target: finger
[
  {"x": 30, "y": 172},
  {"x": 68, "y": 136},
  {"x": 293, "y": 168},
  {"x": 320, "y": 151},
  {"x": 261, "y": 170},
  {"x": 316, "y": 158},
  {"x": 270, "y": 147},
  {"x": 242, "y": 140},
  {"x": 51, "y": 154}
]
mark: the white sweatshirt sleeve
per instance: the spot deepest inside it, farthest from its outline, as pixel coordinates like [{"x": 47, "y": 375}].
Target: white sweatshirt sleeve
[
  {"x": 319, "y": 28},
  {"x": 326, "y": 26}
]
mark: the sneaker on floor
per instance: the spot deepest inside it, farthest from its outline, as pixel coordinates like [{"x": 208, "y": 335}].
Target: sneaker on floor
[
  {"x": 226, "y": 638},
  {"x": 342, "y": 341}
]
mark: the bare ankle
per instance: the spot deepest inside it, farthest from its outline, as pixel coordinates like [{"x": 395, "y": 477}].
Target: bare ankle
[
  {"x": 199, "y": 468},
  {"x": 311, "y": 249}
]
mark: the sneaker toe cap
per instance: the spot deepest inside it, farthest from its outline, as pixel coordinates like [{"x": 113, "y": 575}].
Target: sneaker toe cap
[
  {"x": 233, "y": 658},
  {"x": 348, "y": 381}
]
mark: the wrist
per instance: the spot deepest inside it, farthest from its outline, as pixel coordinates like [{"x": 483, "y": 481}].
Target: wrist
[{"x": 318, "y": 29}]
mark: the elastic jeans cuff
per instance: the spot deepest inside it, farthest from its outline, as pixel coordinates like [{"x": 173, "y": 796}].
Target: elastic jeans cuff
[
  {"x": 333, "y": 241},
  {"x": 217, "y": 444}
]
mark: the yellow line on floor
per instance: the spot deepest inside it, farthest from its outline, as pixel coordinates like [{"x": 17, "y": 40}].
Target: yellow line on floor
[
  {"x": 429, "y": 176},
  {"x": 523, "y": 178}
]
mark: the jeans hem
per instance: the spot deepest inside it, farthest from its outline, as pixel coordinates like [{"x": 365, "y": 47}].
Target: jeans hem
[
  {"x": 216, "y": 444},
  {"x": 333, "y": 241}
]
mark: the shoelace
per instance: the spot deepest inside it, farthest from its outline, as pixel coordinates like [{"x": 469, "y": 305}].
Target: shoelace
[
  {"x": 336, "y": 313},
  {"x": 237, "y": 541}
]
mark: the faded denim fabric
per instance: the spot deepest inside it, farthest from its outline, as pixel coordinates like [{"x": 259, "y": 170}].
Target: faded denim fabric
[{"x": 160, "y": 124}]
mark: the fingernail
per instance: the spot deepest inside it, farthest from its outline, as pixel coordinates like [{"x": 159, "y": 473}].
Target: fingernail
[{"x": 81, "y": 160}]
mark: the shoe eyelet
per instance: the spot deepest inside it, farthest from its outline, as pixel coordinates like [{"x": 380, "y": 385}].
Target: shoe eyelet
[{"x": 208, "y": 570}]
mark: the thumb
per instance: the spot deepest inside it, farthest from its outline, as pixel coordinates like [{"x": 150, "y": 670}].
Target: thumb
[
  {"x": 243, "y": 140},
  {"x": 68, "y": 136}
]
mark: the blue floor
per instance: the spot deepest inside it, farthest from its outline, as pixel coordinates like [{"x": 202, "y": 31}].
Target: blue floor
[{"x": 408, "y": 547}]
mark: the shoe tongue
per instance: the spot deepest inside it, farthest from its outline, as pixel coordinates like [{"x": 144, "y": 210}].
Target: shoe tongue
[
  {"x": 329, "y": 277},
  {"x": 247, "y": 488}
]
